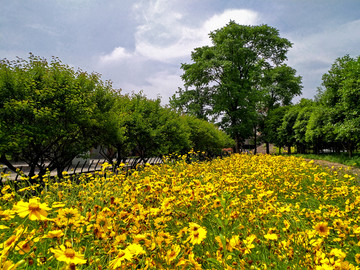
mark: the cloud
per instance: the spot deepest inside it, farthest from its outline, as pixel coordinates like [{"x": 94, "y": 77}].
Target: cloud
[
  {"x": 313, "y": 55},
  {"x": 160, "y": 84},
  {"x": 165, "y": 35},
  {"x": 118, "y": 54}
]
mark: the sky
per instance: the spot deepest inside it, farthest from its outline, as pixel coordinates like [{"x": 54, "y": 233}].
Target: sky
[{"x": 140, "y": 44}]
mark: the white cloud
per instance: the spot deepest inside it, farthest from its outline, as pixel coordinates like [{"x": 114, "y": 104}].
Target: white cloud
[
  {"x": 240, "y": 16},
  {"x": 162, "y": 83},
  {"x": 164, "y": 35},
  {"x": 118, "y": 54},
  {"x": 313, "y": 55}
]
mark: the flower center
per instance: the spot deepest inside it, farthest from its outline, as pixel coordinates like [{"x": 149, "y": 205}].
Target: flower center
[
  {"x": 121, "y": 254},
  {"x": 34, "y": 207},
  {"x": 10, "y": 240},
  {"x": 70, "y": 253},
  {"x": 69, "y": 215}
]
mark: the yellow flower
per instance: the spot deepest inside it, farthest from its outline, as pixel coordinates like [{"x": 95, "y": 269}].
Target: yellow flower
[
  {"x": 7, "y": 214},
  {"x": 249, "y": 243},
  {"x": 234, "y": 242},
  {"x": 197, "y": 233},
  {"x": 271, "y": 236},
  {"x": 68, "y": 255},
  {"x": 58, "y": 205},
  {"x": 55, "y": 234},
  {"x": 338, "y": 253},
  {"x": 122, "y": 255},
  {"x": 357, "y": 258},
  {"x": 24, "y": 246},
  {"x": 136, "y": 249},
  {"x": 172, "y": 253},
  {"x": 322, "y": 229},
  {"x": 12, "y": 240},
  {"x": 7, "y": 265},
  {"x": 68, "y": 216},
  {"x": 35, "y": 209}
]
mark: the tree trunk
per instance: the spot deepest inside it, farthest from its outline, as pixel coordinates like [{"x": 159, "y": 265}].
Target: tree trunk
[
  {"x": 289, "y": 150},
  {"x": 255, "y": 150},
  {"x": 268, "y": 148},
  {"x": 237, "y": 143},
  {"x": 6, "y": 162}
]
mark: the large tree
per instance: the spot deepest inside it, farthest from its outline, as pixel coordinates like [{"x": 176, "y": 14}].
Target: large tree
[
  {"x": 231, "y": 72},
  {"x": 49, "y": 112}
]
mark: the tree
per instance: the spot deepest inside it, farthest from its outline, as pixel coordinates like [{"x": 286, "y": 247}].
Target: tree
[
  {"x": 206, "y": 137},
  {"x": 192, "y": 102},
  {"x": 114, "y": 144},
  {"x": 286, "y": 131},
  {"x": 319, "y": 133},
  {"x": 48, "y": 112},
  {"x": 230, "y": 73},
  {"x": 280, "y": 85},
  {"x": 341, "y": 95},
  {"x": 306, "y": 107},
  {"x": 272, "y": 123}
]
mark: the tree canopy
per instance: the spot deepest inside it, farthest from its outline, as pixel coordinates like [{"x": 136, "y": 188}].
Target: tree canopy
[
  {"x": 48, "y": 112},
  {"x": 244, "y": 66},
  {"x": 51, "y": 113}
]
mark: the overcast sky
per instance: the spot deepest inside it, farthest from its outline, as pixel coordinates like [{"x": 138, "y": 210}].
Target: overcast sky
[{"x": 140, "y": 44}]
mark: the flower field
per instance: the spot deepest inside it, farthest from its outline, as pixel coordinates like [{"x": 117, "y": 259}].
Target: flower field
[{"x": 240, "y": 212}]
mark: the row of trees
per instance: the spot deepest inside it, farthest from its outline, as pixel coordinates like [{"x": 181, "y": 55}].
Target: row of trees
[
  {"x": 51, "y": 113},
  {"x": 330, "y": 121},
  {"x": 239, "y": 80},
  {"x": 243, "y": 83}
]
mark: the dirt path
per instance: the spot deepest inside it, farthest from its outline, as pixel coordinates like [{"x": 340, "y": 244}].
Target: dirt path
[{"x": 336, "y": 166}]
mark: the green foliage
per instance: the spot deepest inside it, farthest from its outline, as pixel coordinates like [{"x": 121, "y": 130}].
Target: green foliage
[
  {"x": 272, "y": 124},
  {"x": 206, "y": 137},
  {"x": 228, "y": 76},
  {"x": 48, "y": 111},
  {"x": 341, "y": 94}
]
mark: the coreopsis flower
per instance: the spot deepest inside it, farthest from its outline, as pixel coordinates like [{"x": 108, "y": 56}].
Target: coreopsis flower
[
  {"x": 136, "y": 249},
  {"x": 34, "y": 209},
  {"x": 271, "y": 236},
  {"x": 24, "y": 246},
  {"x": 249, "y": 243},
  {"x": 197, "y": 233},
  {"x": 55, "y": 234},
  {"x": 234, "y": 243},
  {"x": 123, "y": 255},
  {"x": 68, "y": 216},
  {"x": 172, "y": 253},
  {"x": 68, "y": 255},
  {"x": 322, "y": 229},
  {"x": 195, "y": 264},
  {"x": 6, "y": 214},
  {"x": 338, "y": 253},
  {"x": 357, "y": 258},
  {"x": 58, "y": 205},
  {"x": 7, "y": 265},
  {"x": 12, "y": 240}
]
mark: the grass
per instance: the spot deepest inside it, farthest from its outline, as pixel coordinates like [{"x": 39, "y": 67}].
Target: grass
[{"x": 342, "y": 158}]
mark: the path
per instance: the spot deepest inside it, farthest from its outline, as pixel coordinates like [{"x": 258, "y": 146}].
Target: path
[{"x": 336, "y": 166}]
